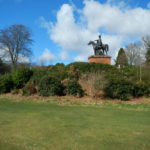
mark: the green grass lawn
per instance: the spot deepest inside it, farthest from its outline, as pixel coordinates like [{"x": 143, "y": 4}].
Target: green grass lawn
[{"x": 29, "y": 125}]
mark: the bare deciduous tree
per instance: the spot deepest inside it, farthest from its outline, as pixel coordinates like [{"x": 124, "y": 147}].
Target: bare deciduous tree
[
  {"x": 146, "y": 40},
  {"x": 14, "y": 42},
  {"x": 135, "y": 53}
]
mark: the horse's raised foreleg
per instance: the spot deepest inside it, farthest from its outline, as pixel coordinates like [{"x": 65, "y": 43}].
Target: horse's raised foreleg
[{"x": 107, "y": 49}]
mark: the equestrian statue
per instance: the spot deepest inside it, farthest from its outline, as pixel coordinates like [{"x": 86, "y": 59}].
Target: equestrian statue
[{"x": 100, "y": 49}]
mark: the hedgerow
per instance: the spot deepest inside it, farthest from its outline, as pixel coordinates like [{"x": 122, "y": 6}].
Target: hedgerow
[
  {"x": 50, "y": 86},
  {"x": 6, "y": 83},
  {"x": 118, "y": 88},
  {"x": 79, "y": 79},
  {"x": 21, "y": 76},
  {"x": 29, "y": 89},
  {"x": 74, "y": 88}
]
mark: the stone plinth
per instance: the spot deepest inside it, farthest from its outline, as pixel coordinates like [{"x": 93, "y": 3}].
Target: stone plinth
[{"x": 100, "y": 59}]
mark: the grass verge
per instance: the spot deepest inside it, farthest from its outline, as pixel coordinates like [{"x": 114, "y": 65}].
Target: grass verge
[{"x": 31, "y": 125}]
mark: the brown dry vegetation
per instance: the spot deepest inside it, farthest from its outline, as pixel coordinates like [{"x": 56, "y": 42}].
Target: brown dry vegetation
[
  {"x": 73, "y": 100},
  {"x": 93, "y": 84}
]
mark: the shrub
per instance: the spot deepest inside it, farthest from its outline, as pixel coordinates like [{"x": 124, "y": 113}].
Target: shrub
[
  {"x": 146, "y": 74},
  {"x": 54, "y": 71},
  {"x": 85, "y": 67},
  {"x": 119, "y": 88},
  {"x": 6, "y": 83},
  {"x": 74, "y": 88},
  {"x": 130, "y": 72},
  {"x": 4, "y": 68},
  {"x": 28, "y": 89},
  {"x": 141, "y": 89},
  {"x": 21, "y": 76},
  {"x": 50, "y": 86},
  {"x": 38, "y": 73},
  {"x": 93, "y": 83},
  {"x": 14, "y": 91},
  {"x": 73, "y": 72},
  {"x": 59, "y": 71}
]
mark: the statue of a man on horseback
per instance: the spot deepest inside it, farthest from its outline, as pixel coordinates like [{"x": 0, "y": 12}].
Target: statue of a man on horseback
[{"x": 99, "y": 48}]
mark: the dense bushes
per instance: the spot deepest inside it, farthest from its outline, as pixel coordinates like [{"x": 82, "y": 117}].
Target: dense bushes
[
  {"x": 28, "y": 89},
  {"x": 124, "y": 89},
  {"x": 141, "y": 89},
  {"x": 21, "y": 76},
  {"x": 57, "y": 71},
  {"x": 4, "y": 68},
  {"x": 6, "y": 83},
  {"x": 85, "y": 67},
  {"x": 74, "y": 88},
  {"x": 145, "y": 73},
  {"x": 78, "y": 79},
  {"x": 119, "y": 89},
  {"x": 38, "y": 73},
  {"x": 130, "y": 72},
  {"x": 50, "y": 86}
]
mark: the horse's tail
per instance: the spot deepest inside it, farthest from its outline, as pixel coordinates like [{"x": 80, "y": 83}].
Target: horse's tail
[{"x": 107, "y": 47}]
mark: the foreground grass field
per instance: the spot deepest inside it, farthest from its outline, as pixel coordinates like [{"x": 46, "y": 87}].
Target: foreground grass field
[{"x": 29, "y": 125}]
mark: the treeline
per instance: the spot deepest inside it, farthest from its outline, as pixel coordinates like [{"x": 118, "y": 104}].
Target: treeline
[
  {"x": 78, "y": 79},
  {"x": 135, "y": 53}
]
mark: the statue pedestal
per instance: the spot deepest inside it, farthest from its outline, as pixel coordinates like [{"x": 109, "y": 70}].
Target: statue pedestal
[{"x": 100, "y": 59}]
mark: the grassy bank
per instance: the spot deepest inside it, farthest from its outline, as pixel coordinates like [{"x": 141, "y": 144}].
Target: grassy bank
[{"x": 30, "y": 125}]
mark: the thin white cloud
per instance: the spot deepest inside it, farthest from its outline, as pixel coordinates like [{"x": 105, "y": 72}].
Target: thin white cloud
[
  {"x": 80, "y": 58},
  {"x": 119, "y": 23},
  {"x": 64, "y": 55},
  {"x": 47, "y": 56}
]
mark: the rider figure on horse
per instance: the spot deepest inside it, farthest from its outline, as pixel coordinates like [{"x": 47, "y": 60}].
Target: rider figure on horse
[{"x": 99, "y": 42}]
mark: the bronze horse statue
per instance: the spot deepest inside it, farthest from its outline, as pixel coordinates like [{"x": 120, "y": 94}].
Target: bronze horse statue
[{"x": 99, "y": 49}]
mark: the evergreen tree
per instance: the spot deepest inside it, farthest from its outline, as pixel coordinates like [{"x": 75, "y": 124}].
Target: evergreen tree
[
  {"x": 121, "y": 59},
  {"x": 147, "y": 56}
]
